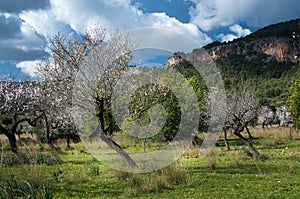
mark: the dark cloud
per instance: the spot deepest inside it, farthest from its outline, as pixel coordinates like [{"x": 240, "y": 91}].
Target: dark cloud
[
  {"x": 17, "y": 44},
  {"x": 11, "y": 52},
  {"x": 9, "y": 27},
  {"x": 18, "y": 41},
  {"x": 14, "y": 6}
]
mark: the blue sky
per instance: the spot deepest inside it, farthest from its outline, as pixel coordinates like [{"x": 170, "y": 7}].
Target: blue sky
[
  {"x": 27, "y": 25},
  {"x": 176, "y": 8}
]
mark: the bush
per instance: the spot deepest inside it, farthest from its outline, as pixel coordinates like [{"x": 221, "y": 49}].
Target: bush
[
  {"x": 7, "y": 161},
  {"x": 94, "y": 169},
  {"x": 40, "y": 158},
  {"x": 15, "y": 188}
]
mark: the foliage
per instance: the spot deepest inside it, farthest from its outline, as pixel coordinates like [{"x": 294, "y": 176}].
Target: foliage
[
  {"x": 268, "y": 79},
  {"x": 294, "y": 100},
  {"x": 7, "y": 160},
  {"x": 247, "y": 64},
  {"x": 14, "y": 187}
]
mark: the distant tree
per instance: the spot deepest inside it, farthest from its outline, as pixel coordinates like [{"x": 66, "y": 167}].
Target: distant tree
[
  {"x": 241, "y": 111},
  {"x": 266, "y": 116},
  {"x": 283, "y": 116},
  {"x": 294, "y": 100},
  {"x": 55, "y": 110}
]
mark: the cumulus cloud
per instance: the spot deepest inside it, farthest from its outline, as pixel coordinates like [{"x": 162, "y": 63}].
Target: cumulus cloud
[
  {"x": 78, "y": 15},
  {"x": 44, "y": 22},
  {"x": 238, "y": 32},
  {"x": 29, "y": 67},
  {"x": 161, "y": 20},
  {"x": 25, "y": 26},
  {"x": 211, "y": 14}
]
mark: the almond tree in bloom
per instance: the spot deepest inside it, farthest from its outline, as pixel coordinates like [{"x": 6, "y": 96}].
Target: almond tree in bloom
[
  {"x": 241, "y": 111},
  {"x": 95, "y": 53},
  {"x": 18, "y": 105},
  {"x": 266, "y": 116},
  {"x": 55, "y": 110}
]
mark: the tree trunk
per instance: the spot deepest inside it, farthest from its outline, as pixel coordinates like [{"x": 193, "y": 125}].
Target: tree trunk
[
  {"x": 263, "y": 125},
  {"x": 48, "y": 134},
  {"x": 255, "y": 152},
  {"x": 68, "y": 142},
  {"x": 249, "y": 133},
  {"x": 226, "y": 141},
  {"x": 103, "y": 135},
  {"x": 11, "y": 138},
  {"x": 49, "y": 140},
  {"x": 112, "y": 144},
  {"x": 12, "y": 142}
]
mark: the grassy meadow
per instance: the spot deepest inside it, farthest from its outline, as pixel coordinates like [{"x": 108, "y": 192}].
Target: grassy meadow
[{"x": 74, "y": 173}]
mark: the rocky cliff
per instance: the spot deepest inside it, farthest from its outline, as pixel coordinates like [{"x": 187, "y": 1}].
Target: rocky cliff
[
  {"x": 279, "y": 41},
  {"x": 282, "y": 49}
]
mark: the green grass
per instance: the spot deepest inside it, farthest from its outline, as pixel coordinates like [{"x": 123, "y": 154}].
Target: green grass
[{"x": 234, "y": 174}]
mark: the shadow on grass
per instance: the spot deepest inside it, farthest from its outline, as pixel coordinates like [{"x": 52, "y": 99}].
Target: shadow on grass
[{"x": 238, "y": 142}]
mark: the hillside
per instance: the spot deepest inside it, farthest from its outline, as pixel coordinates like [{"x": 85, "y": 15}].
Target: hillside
[{"x": 265, "y": 61}]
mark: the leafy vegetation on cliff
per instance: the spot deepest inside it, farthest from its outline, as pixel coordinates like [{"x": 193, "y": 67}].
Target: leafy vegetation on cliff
[{"x": 264, "y": 61}]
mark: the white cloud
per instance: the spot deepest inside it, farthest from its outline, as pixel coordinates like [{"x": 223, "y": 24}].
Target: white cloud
[
  {"x": 44, "y": 22},
  {"x": 162, "y": 21},
  {"x": 227, "y": 37},
  {"x": 111, "y": 15},
  {"x": 76, "y": 15},
  {"x": 29, "y": 67},
  {"x": 211, "y": 14},
  {"x": 238, "y": 32}
]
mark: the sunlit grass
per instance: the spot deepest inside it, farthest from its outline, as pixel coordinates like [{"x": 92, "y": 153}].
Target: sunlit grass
[{"x": 221, "y": 174}]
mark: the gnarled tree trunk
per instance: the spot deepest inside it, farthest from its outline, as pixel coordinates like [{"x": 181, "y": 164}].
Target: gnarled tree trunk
[
  {"x": 12, "y": 142},
  {"x": 11, "y": 138},
  {"x": 249, "y": 133},
  {"x": 254, "y": 151},
  {"x": 226, "y": 141},
  {"x": 108, "y": 128}
]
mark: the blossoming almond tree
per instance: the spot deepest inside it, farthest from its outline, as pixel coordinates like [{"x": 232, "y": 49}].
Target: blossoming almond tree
[
  {"x": 241, "y": 111},
  {"x": 93, "y": 54},
  {"x": 18, "y": 104}
]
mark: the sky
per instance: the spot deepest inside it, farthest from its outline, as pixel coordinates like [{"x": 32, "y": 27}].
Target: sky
[{"x": 27, "y": 25}]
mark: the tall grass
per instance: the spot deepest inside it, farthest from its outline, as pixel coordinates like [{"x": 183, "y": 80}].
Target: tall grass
[{"x": 156, "y": 181}]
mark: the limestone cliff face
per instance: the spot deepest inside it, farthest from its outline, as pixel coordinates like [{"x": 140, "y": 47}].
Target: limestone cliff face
[
  {"x": 282, "y": 49},
  {"x": 174, "y": 60},
  {"x": 280, "y": 42}
]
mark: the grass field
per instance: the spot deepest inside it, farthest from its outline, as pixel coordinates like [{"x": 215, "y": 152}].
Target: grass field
[{"x": 74, "y": 173}]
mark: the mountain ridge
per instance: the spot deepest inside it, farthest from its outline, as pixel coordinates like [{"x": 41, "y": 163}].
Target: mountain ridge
[
  {"x": 265, "y": 61},
  {"x": 280, "y": 41}
]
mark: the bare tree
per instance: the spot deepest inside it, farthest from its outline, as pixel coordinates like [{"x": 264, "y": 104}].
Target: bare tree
[{"x": 241, "y": 111}]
